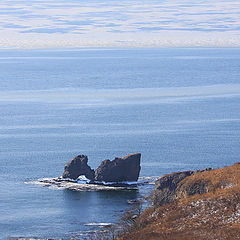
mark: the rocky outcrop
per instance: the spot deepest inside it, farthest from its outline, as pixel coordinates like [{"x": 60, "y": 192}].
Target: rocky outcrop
[
  {"x": 170, "y": 187},
  {"x": 166, "y": 186},
  {"x": 207, "y": 208},
  {"x": 78, "y": 166},
  {"x": 119, "y": 169}
]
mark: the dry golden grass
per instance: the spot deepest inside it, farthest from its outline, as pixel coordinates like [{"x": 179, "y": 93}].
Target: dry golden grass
[
  {"x": 129, "y": 155},
  {"x": 212, "y": 215}
]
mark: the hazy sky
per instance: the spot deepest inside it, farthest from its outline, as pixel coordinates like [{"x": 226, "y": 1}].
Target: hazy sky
[{"x": 111, "y": 23}]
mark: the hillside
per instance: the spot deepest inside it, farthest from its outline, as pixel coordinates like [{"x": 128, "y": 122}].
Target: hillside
[{"x": 202, "y": 205}]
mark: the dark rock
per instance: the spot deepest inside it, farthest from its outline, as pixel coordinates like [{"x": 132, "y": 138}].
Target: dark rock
[
  {"x": 165, "y": 187},
  {"x": 171, "y": 187},
  {"x": 198, "y": 187},
  {"x": 208, "y": 169},
  {"x": 195, "y": 186},
  {"x": 119, "y": 169},
  {"x": 78, "y": 166}
]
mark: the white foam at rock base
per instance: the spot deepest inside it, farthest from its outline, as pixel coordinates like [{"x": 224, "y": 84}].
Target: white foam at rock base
[
  {"x": 82, "y": 184},
  {"x": 98, "y": 224}
]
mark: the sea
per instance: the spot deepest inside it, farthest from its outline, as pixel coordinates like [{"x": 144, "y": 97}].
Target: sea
[{"x": 178, "y": 107}]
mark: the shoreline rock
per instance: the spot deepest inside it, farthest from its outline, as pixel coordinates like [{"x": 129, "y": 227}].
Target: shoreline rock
[{"x": 167, "y": 188}]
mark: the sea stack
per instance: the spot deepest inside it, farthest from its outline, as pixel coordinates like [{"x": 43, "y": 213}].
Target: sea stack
[{"x": 120, "y": 169}]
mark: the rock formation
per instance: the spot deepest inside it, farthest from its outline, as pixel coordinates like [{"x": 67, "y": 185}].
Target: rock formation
[
  {"x": 78, "y": 166},
  {"x": 119, "y": 169},
  {"x": 165, "y": 187},
  {"x": 170, "y": 187}
]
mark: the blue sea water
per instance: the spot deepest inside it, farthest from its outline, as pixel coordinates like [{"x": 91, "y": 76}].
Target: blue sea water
[{"x": 178, "y": 107}]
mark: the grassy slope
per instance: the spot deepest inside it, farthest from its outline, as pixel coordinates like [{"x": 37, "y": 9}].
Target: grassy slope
[{"x": 212, "y": 215}]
